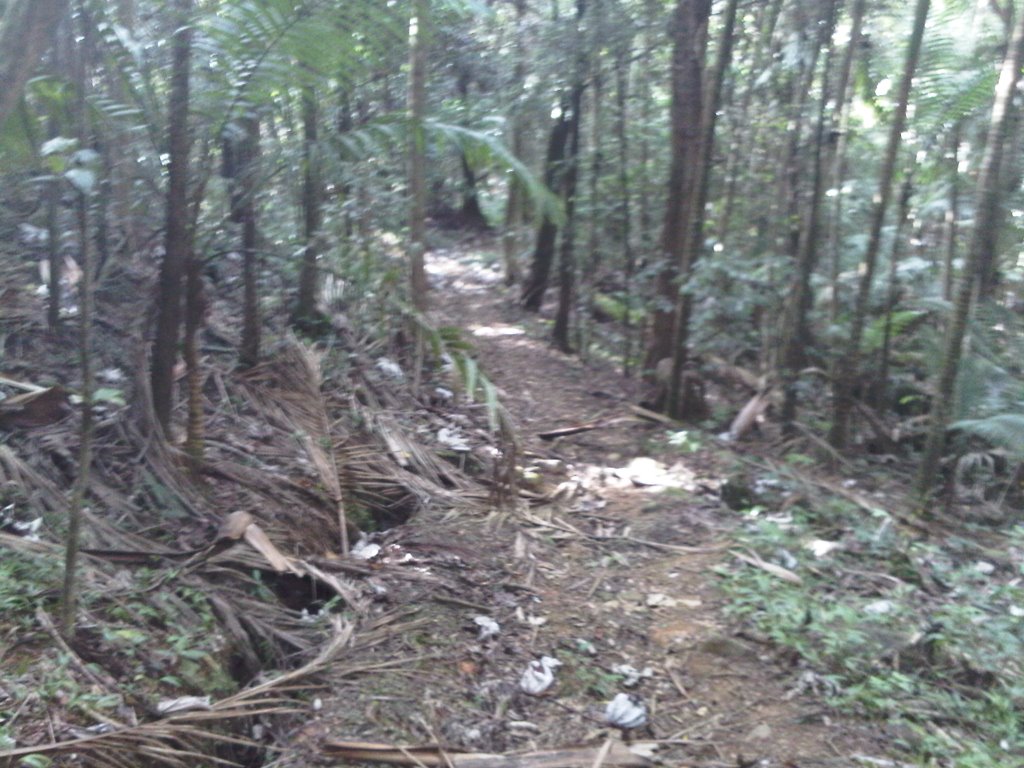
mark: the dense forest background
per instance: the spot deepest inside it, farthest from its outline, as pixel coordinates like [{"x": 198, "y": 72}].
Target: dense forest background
[
  {"x": 815, "y": 190},
  {"x": 795, "y": 224}
]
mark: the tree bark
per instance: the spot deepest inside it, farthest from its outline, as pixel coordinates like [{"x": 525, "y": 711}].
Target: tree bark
[
  {"x": 986, "y": 214},
  {"x": 417, "y": 106},
  {"x": 690, "y": 27},
  {"x": 841, "y": 129},
  {"x": 249, "y": 353},
  {"x": 567, "y": 258},
  {"x": 622, "y": 65},
  {"x": 847, "y": 371},
  {"x": 305, "y": 312},
  {"x": 544, "y": 250},
  {"x": 795, "y": 334},
  {"x": 176, "y": 236}
]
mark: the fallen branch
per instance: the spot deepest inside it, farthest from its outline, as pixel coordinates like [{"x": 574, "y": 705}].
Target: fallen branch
[{"x": 611, "y": 753}]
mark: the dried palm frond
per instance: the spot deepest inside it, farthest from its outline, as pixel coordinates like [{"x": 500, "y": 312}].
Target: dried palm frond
[{"x": 178, "y": 739}]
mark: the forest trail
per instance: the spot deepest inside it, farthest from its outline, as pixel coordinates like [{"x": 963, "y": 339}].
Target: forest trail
[{"x": 618, "y": 571}]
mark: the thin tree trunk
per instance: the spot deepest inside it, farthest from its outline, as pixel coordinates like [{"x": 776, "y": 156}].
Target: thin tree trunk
[
  {"x": 517, "y": 122},
  {"x": 841, "y": 126},
  {"x": 892, "y": 293},
  {"x": 622, "y": 63},
  {"x": 69, "y": 592},
  {"x": 417, "y": 106},
  {"x": 195, "y": 310},
  {"x": 589, "y": 274},
  {"x": 989, "y": 274},
  {"x": 56, "y": 257},
  {"x": 795, "y": 331},
  {"x": 986, "y": 214},
  {"x": 544, "y": 250},
  {"x": 305, "y": 312},
  {"x": 567, "y": 258},
  {"x": 952, "y": 214},
  {"x": 847, "y": 372},
  {"x": 165, "y": 349},
  {"x": 249, "y": 352}
]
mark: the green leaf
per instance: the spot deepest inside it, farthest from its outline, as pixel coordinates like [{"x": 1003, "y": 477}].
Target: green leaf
[
  {"x": 471, "y": 372},
  {"x": 108, "y": 395}
]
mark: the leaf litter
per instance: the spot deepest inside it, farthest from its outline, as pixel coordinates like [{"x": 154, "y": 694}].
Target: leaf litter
[{"x": 567, "y": 573}]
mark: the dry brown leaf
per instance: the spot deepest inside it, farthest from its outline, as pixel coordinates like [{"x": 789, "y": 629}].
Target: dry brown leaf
[
  {"x": 34, "y": 409},
  {"x": 259, "y": 541},
  {"x": 234, "y": 525}
]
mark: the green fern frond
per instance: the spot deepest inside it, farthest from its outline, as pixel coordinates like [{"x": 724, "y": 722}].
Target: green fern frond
[{"x": 1005, "y": 430}]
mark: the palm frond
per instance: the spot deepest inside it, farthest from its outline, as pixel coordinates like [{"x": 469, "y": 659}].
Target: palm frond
[{"x": 1005, "y": 430}]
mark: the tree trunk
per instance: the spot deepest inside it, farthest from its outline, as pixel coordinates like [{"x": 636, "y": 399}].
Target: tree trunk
[
  {"x": 195, "y": 311},
  {"x": 176, "y": 235},
  {"x": 567, "y": 258},
  {"x": 249, "y": 353},
  {"x": 27, "y": 28},
  {"x": 841, "y": 128},
  {"x": 69, "y": 591},
  {"x": 989, "y": 274},
  {"x": 847, "y": 371},
  {"x": 952, "y": 213},
  {"x": 514, "y": 207},
  {"x": 305, "y": 312},
  {"x": 986, "y": 213},
  {"x": 622, "y": 64},
  {"x": 680, "y": 401},
  {"x": 892, "y": 294},
  {"x": 417, "y": 106},
  {"x": 690, "y": 27},
  {"x": 56, "y": 257},
  {"x": 795, "y": 334},
  {"x": 544, "y": 250}
]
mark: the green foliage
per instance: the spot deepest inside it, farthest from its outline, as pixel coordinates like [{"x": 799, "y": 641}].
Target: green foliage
[
  {"x": 903, "y": 321},
  {"x": 17, "y": 571},
  {"x": 1004, "y": 430},
  {"x": 683, "y": 441},
  {"x": 880, "y": 644}
]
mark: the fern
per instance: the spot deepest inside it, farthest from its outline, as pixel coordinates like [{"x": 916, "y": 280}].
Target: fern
[{"x": 1005, "y": 430}]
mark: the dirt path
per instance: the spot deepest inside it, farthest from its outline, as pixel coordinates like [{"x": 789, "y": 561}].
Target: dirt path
[
  {"x": 724, "y": 698},
  {"x": 615, "y": 574}
]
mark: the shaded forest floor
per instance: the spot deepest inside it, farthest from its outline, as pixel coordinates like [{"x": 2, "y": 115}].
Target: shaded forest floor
[
  {"x": 610, "y": 569},
  {"x": 736, "y": 590}
]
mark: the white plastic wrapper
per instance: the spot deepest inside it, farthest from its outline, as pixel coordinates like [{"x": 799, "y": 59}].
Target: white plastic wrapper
[
  {"x": 631, "y": 676},
  {"x": 539, "y": 675},
  {"x": 450, "y": 437},
  {"x": 626, "y": 710},
  {"x": 364, "y": 549},
  {"x": 183, "y": 704},
  {"x": 488, "y": 627},
  {"x": 391, "y": 369}
]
